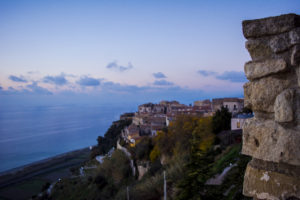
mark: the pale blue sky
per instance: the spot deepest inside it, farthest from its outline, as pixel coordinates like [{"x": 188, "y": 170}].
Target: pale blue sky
[{"x": 110, "y": 48}]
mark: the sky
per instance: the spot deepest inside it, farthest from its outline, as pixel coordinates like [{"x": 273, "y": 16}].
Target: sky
[{"x": 119, "y": 50}]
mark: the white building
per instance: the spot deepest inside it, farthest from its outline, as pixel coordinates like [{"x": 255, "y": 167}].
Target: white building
[
  {"x": 233, "y": 106},
  {"x": 238, "y": 121}
]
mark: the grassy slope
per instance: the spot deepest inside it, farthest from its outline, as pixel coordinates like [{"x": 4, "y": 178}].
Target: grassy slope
[
  {"x": 180, "y": 168},
  {"x": 25, "y": 189}
]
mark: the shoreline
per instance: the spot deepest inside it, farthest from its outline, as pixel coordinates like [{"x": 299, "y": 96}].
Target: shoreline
[{"x": 22, "y": 173}]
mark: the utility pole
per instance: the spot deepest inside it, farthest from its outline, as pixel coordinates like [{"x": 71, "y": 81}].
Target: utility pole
[{"x": 165, "y": 186}]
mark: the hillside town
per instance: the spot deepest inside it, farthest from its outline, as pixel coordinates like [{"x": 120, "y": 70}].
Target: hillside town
[{"x": 151, "y": 118}]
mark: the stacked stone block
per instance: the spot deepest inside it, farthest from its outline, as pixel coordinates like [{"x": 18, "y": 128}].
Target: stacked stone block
[{"x": 272, "y": 137}]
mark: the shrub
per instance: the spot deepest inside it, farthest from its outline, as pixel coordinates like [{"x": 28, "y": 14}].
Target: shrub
[
  {"x": 143, "y": 148},
  {"x": 155, "y": 153},
  {"x": 155, "y": 167},
  {"x": 221, "y": 120},
  {"x": 100, "y": 181}
]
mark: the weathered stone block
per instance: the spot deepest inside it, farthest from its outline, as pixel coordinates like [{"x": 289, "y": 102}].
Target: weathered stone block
[
  {"x": 269, "y": 141},
  {"x": 270, "y": 25},
  {"x": 294, "y": 36},
  {"x": 296, "y": 106},
  {"x": 261, "y": 48},
  {"x": 258, "y": 49},
  {"x": 260, "y": 94},
  {"x": 283, "y": 168},
  {"x": 283, "y": 107},
  {"x": 247, "y": 95},
  {"x": 263, "y": 184},
  {"x": 295, "y": 58},
  {"x": 254, "y": 70},
  {"x": 279, "y": 43},
  {"x": 273, "y": 46},
  {"x": 298, "y": 75},
  {"x": 272, "y": 137}
]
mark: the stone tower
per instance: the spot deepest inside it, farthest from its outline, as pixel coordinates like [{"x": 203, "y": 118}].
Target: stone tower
[{"x": 272, "y": 137}]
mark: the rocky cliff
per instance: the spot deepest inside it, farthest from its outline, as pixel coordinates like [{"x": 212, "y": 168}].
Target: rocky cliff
[{"x": 272, "y": 137}]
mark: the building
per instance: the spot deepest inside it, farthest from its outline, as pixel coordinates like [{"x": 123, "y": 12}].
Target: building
[
  {"x": 152, "y": 108},
  {"x": 139, "y": 118},
  {"x": 205, "y": 102},
  {"x": 151, "y": 118},
  {"x": 234, "y": 105},
  {"x": 131, "y": 134},
  {"x": 238, "y": 121},
  {"x": 166, "y": 103},
  {"x": 217, "y": 104},
  {"x": 127, "y": 116}
]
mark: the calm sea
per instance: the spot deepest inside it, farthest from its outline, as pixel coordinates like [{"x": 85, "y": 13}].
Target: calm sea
[{"x": 32, "y": 133}]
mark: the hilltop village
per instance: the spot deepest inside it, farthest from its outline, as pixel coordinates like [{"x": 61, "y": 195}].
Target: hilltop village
[
  {"x": 197, "y": 146},
  {"x": 195, "y": 153},
  {"x": 151, "y": 118}
]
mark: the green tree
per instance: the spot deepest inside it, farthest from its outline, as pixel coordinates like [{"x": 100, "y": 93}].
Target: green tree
[
  {"x": 143, "y": 149},
  {"x": 197, "y": 171},
  {"x": 221, "y": 120},
  {"x": 247, "y": 110},
  {"x": 110, "y": 138}
]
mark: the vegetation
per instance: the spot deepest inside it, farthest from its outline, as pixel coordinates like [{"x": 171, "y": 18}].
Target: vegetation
[
  {"x": 185, "y": 150},
  {"x": 112, "y": 174},
  {"x": 221, "y": 120},
  {"x": 247, "y": 110},
  {"x": 142, "y": 150},
  {"x": 110, "y": 138}
]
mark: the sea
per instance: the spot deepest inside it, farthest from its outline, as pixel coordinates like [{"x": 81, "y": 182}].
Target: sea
[{"x": 30, "y": 133}]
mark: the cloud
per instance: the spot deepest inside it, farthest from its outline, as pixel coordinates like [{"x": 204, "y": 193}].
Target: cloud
[
  {"x": 117, "y": 87},
  {"x": 233, "y": 76},
  {"x": 30, "y": 89},
  {"x": 111, "y": 92},
  {"x": 33, "y": 72},
  {"x": 115, "y": 66},
  {"x": 159, "y": 75},
  {"x": 207, "y": 73},
  {"x": 88, "y": 81},
  {"x": 162, "y": 83},
  {"x": 57, "y": 80},
  {"x": 20, "y": 79},
  {"x": 38, "y": 90}
]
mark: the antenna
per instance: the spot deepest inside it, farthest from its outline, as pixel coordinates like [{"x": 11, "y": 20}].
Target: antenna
[
  {"x": 127, "y": 193},
  {"x": 165, "y": 186}
]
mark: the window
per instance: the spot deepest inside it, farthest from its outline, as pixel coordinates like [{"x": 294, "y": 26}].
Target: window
[
  {"x": 238, "y": 125},
  {"x": 234, "y": 107}
]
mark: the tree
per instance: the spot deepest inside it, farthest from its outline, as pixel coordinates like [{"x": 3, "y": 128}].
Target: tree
[
  {"x": 221, "y": 120},
  {"x": 247, "y": 110},
  {"x": 143, "y": 149},
  {"x": 199, "y": 165},
  {"x": 110, "y": 138}
]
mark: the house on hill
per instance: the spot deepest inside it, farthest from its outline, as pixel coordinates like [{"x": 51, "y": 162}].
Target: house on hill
[
  {"x": 151, "y": 108},
  {"x": 234, "y": 105},
  {"x": 205, "y": 103},
  {"x": 238, "y": 121},
  {"x": 131, "y": 134},
  {"x": 127, "y": 116}
]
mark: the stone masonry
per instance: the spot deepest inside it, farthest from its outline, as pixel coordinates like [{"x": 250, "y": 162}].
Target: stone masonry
[{"x": 272, "y": 137}]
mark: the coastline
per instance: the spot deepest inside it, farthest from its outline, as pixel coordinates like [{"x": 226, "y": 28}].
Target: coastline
[{"x": 64, "y": 160}]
